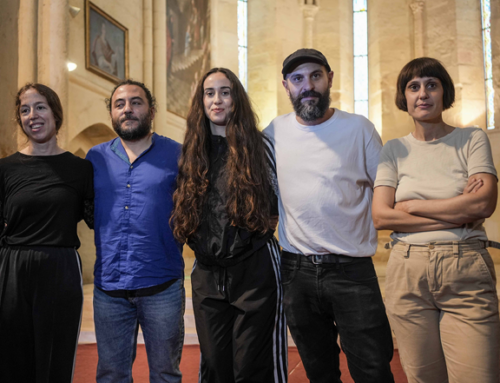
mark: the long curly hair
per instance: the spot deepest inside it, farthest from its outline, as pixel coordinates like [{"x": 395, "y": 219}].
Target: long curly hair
[{"x": 246, "y": 171}]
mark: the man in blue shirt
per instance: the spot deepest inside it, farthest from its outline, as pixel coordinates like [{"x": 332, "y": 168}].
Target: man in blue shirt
[{"x": 138, "y": 273}]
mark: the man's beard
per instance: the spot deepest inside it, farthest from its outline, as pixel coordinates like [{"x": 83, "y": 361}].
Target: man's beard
[
  {"x": 310, "y": 111},
  {"x": 141, "y": 131}
]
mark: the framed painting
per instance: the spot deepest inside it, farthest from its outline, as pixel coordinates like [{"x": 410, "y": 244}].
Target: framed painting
[
  {"x": 188, "y": 51},
  {"x": 106, "y": 44}
]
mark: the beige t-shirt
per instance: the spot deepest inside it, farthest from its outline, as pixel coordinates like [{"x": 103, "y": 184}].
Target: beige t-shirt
[{"x": 436, "y": 170}]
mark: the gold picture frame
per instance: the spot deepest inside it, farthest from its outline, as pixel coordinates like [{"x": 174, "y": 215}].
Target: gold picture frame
[{"x": 106, "y": 44}]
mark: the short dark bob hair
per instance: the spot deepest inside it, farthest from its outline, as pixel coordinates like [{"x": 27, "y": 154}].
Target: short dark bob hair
[
  {"x": 52, "y": 100},
  {"x": 424, "y": 67},
  {"x": 149, "y": 96}
]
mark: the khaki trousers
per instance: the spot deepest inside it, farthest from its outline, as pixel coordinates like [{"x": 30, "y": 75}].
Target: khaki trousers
[{"x": 442, "y": 304}]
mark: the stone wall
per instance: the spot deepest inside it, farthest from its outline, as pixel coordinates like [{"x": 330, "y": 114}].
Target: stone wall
[
  {"x": 389, "y": 49},
  {"x": 8, "y": 76},
  {"x": 275, "y": 31},
  {"x": 333, "y": 20},
  {"x": 495, "y": 45}
]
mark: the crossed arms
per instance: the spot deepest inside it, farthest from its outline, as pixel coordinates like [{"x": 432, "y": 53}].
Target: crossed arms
[{"x": 478, "y": 201}]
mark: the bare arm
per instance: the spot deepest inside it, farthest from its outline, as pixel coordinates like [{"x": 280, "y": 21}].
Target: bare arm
[
  {"x": 465, "y": 208},
  {"x": 385, "y": 217}
]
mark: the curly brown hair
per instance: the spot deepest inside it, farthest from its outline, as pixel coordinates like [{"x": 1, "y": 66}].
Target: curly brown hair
[{"x": 248, "y": 185}]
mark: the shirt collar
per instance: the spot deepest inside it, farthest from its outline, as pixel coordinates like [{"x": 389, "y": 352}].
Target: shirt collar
[{"x": 119, "y": 150}]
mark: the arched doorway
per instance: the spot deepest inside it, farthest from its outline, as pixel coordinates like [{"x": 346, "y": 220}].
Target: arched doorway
[{"x": 79, "y": 146}]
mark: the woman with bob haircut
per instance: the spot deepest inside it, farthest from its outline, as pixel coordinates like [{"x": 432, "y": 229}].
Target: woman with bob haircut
[
  {"x": 44, "y": 192},
  {"x": 225, "y": 208},
  {"x": 434, "y": 189}
]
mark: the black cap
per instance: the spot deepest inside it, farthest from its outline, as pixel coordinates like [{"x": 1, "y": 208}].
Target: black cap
[{"x": 304, "y": 55}]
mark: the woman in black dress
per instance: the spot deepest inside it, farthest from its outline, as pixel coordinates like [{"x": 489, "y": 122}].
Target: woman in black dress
[{"x": 44, "y": 192}]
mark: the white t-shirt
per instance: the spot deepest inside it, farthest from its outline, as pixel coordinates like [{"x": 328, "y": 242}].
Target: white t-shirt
[
  {"x": 325, "y": 177},
  {"x": 437, "y": 169}
]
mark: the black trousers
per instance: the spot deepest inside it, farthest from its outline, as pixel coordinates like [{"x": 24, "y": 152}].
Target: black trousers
[
  {"x": 240, "y": 321},
  {"x": 325, "y": 300},
  {"x": 41, "y": 301}
]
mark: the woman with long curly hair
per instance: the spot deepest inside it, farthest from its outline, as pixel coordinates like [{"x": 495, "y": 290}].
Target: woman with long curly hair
[{"x": 226, "y": 211}]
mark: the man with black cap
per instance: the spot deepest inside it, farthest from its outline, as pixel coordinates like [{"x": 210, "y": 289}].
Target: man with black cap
[{"x": 326, "y": 162}]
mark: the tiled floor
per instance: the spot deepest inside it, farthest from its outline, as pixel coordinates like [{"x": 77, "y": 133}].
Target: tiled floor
[{"x": 87, "y": 330}]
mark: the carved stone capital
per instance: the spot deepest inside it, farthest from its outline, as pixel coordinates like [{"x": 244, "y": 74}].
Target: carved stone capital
[
  {"x": 309, "y": 2},
  {"x": 417, "y": 7},
  {"x": 310, "y": 11}
]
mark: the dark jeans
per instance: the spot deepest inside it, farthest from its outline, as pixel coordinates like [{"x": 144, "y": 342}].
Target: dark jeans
[{"x": 327, "y": 300}]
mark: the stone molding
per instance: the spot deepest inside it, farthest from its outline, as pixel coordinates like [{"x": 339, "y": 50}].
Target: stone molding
[
  {"x": 309, "y": 10},
  {"x": 417, "y": 8}
]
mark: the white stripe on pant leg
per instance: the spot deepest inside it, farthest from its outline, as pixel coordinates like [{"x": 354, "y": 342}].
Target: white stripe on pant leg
[
  {"x": 282, "y": 321},
  {"x": 81, "y": 313},
  {"x": 279, "y": 334}
]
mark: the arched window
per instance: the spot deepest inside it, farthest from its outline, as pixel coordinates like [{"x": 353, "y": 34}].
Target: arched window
[
  {"x": 360, "y": 30},
  {"x": 488, "y": 72},
  {"x": 243, "y": 42}
]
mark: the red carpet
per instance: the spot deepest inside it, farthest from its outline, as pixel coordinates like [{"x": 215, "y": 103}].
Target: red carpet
[{"x": 86, "y": 364}]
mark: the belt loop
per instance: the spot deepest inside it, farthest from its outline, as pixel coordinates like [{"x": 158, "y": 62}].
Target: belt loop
[
  {"x": 455, "y": 249},
  {"x": 408, "y": 246},
  {"x": 390, "y": 245},
  {"x": 299, "y": 258}
]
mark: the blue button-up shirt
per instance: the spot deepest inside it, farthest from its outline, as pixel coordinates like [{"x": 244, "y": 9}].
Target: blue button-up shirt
[{"x": 133, "y": 202}]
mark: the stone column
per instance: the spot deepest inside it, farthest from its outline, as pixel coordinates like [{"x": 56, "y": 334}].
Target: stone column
[
  {"x": 274, "y": 31},
  {"x": 160, "y": 64},
  {"x": 309, "y": 10},
  {"x": 27, "y": 52},
  {"x": 495, "y": 50},
  {"x": 147, "y": 76},
  {"x": 333, "y": 36},
  {"x": 224, "y": 34},
  {"x": 417, "y": 8},
  {"x": 53, "y": 35},
  {"x": 27, "y": 31},
  {"x": 454, "y": 30},
  {"x": 389, "y": 49}
]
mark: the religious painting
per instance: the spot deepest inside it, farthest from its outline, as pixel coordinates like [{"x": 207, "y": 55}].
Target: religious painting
[
  {"x": 188, "y": 51},
  {"x": 106, "y": 44}
]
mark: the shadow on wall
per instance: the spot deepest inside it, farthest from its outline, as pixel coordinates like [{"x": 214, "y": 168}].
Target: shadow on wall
[{"x": 79, "y": 146}]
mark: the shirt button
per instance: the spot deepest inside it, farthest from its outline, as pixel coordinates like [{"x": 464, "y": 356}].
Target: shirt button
[
  {"x": 128, "y": 185},
  {"x": 131, "y": 166},
  {"x": 126, "y": 207}
]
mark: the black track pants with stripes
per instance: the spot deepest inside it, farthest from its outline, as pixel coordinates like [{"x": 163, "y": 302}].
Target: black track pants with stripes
[
  {"x": 41, "y": 301},
  {"x": 240, "y": 320}
]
